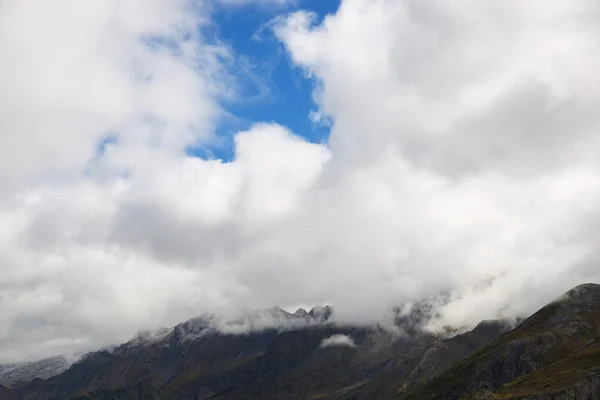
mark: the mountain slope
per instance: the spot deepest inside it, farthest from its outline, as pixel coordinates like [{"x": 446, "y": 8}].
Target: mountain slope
[
  {"x": 137, "y": 392},
  {"x": 195, "y": 351},
  {"x": 296, "y": 365},
  {"x": 576, "y": 376},
  {"x": 201, "y": 359},
  {"x": 423, "y": 356},
  {"x": 8, "y": 394},
  {"x": 549, "y": 335},
  {"x": 16, "y": 374},
  {"x": 553, "y": 354}
]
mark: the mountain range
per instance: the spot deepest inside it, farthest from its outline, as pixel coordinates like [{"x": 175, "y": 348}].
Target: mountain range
[{"x": 275, "y": 355}]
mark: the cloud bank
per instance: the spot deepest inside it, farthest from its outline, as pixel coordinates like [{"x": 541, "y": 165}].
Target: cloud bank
[{"x": 462, "y": 159}]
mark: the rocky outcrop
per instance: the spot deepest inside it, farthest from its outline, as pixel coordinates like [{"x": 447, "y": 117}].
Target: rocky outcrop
[{"x": 575, "y": 376}]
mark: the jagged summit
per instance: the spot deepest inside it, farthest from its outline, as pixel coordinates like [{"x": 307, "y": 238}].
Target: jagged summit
[
  {"x": 269, "y": 318},
  {"x": 321, "y": 312},
  {"x": 275, "y": 310},
  {"x": 300, "y": 313}
]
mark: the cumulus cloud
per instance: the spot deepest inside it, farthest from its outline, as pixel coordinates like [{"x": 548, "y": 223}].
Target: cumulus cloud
[
  {"x": 465, "y": 139},
  {"x": 74, "y": 75},
  {"x": 338, "y": 340},
  {"x": 463, "y": 159}
]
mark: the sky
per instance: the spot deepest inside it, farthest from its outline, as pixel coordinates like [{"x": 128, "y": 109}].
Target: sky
[{"x": 165, "y": 158}]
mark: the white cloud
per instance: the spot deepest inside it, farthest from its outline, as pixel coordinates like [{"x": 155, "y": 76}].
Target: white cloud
[
  {"x": 338, "y": 340},
  {"x": 465, "y": 136},
  {"x": 73, "y": 72},
  {"x": 463, "y": 159}
]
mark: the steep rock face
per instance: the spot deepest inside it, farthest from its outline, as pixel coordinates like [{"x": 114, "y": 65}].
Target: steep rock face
[
  {"x": 542, "y": 339},
  {"x": 576, "y": 376}
]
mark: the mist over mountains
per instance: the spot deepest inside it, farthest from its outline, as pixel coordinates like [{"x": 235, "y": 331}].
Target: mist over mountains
[
  {"x": 167, "y": 159},
  {"x": 170, "y": 169},
  {"x": 552, "y": 354}
]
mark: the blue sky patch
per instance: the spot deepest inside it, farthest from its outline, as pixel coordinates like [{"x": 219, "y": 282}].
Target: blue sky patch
[{"x": 272, "y": 89}]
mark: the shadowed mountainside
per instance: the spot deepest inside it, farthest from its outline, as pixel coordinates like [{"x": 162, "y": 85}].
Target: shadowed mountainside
[
  {"x": 552, "y": 335},
  {"x": 553, "y": 354}
]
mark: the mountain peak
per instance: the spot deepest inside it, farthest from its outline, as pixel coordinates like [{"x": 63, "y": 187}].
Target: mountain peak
[
  {"x": 586, "y": 294},
  {"x": 321, "y": 312},
  {"x": 574, "y": 312},
  {"x": 276, "y": 310},
  {"x": 300, "y": 313}
]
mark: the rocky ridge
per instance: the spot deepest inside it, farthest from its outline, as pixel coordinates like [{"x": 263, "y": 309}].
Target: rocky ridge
[{"x": 276, "y": 355}]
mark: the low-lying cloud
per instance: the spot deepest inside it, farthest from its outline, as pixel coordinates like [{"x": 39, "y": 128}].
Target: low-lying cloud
[
  {"x": 462, "y": 159},
  {"x": 338, "y": 340}
]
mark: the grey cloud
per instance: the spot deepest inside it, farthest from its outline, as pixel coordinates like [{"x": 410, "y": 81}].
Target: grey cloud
[
  {"x": 150, "y": 227},
  {"x": 526, "y": 133},
  {"x": 462, "y": 160}
]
